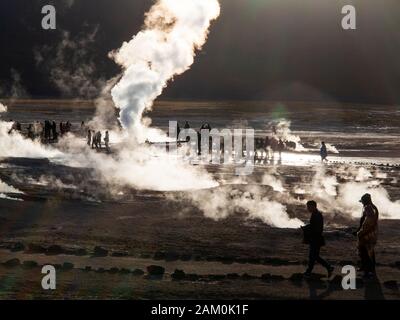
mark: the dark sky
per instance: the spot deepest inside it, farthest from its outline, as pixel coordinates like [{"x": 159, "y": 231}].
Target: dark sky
[{"x": 258, "y": 49}]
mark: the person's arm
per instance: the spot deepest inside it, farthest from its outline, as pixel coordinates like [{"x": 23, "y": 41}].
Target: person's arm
[{"x": 368, "y": 222}]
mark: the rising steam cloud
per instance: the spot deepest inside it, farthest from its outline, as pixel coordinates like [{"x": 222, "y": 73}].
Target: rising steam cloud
[{"x": 174, "y": 30}]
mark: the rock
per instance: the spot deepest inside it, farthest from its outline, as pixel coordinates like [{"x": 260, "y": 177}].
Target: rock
[
  {"x": 119, "y": 254},
  {"x": 178, "y": 275},
  {"x": 54, "y": 250},
  {"x": 346, "y": 263},
  {"x": 296, "y": 277},
  {"x": 155, "y": 270},
  {"x": 35, "y": 248},
  {"x": 17, "y": 246},
  {"x": 391, "y": 284},
  {"x": 12, "y": 263},
  {"x": 87, "y": 269},
  {"x": 29, "y": 264},
  {"x": 192, "y": 277},
  {"x": 186, "y": 257},
  {"x": 246, "y": 276},
  {"x": 124, "y": 271},
  {"x": 138, "y": 272},
  {"x": 78, "y": 252},
  {"x": 100, "y": 252},
  {"x": 159, "y": 256},
  {"x": 272, "y": 278},
  {"x": 232, "y": 276},
  {"x": 113, "y": 270},
  {"x": 171, "y": 256},
  {"x": 67, "y": 266},
  {"x": 217, "y": 277}
]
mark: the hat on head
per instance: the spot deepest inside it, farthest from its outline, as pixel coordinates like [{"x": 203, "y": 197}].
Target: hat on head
[{"x": 366, "y": 198}]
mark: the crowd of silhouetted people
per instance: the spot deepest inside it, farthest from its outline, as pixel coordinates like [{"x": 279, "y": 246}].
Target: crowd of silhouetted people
[
  {"x": 45, "y": 131},
  {"x": 48, "y": 132},
  {"x": 95, "y": 139}
]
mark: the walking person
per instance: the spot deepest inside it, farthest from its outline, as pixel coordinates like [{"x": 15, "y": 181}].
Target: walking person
[
  {"x": 323, "y": 152},
  {"x": 367, "y": 236},
  {"x": 313, "y": 236}
]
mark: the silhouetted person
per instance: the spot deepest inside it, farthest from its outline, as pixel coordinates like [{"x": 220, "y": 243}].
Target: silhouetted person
[
  {"x": 314, "y": 237},
  {"x": 281, "y": 146},
  {"x": 323, "y": 152},
  {"x": 54, "y": 130},
  {"x": 47, "y": 130},
  {"x": 367, "y": 235},
  {"x": 187, "y": 125},
  {"x": 89, "y": 137},
  {"x": 178, "y": 131},
  {"x": 94, "y": 137},
  {"x": 107, "y": 141}
]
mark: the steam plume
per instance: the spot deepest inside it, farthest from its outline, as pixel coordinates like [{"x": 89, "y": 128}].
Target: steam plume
[{"x": 173, "y": 30}]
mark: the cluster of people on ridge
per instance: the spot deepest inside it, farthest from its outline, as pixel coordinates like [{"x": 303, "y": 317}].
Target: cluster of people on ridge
[
  {"x": 367, "y": 236},
  {"x": 94, "y": 139},
  {"x": 45, "y": 131}
]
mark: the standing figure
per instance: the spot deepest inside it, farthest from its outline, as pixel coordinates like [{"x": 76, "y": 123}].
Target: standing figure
[
  {"x": 89, "y": 137},
  {"x": 107, "y": 141},
  {"x": 313, "y": 236},
  {"x": 367, "y": 235}
]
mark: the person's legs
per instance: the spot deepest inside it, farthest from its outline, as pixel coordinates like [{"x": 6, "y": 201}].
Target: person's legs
[
  {"x": 312, "y": 256},
  {"x": 321, "y": 261},
  {"x": 365, "y": 259}
]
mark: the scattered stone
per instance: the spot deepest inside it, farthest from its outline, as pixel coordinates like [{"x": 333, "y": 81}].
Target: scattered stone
[
  {"x": 87, "y": 269},
  {"x": 227, "y": 260},
  {"x": 119, "y": 254},
  {"x": 12, "y": 263},
  {"x": 296, "y": 277},
  {"x": 29, "y": 264},
  {"x": 35, "y": 248},
  {"x": 67, "y": 266},
  {"x": 79, "y": 252},
  {"x": 346, "y": 263},
  {"x": 186, "y": 257},
  {"x": 124, "y": 271},
  {"x": 178, "y": 275},
  {"x": 138, "y": 272},
  {"x": 113, "y": 270},
  {"x": 171, "y": 256},
  {"x": 17, "y": 246},
  {"x": 54, "y": 250},
  {"x": 246, "y": 276},
  {"x": 216, "y": 277},
  {"x": 159, "y": 256},
  {"x": 100, "y": 252},
  {"x": 155, "y": 270},
  {"x": 192, "y": 277},
  {"x": 391, "y": 284},
  {"x": 232, "y": 276},
  {"x": 272, "y": 278}
]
